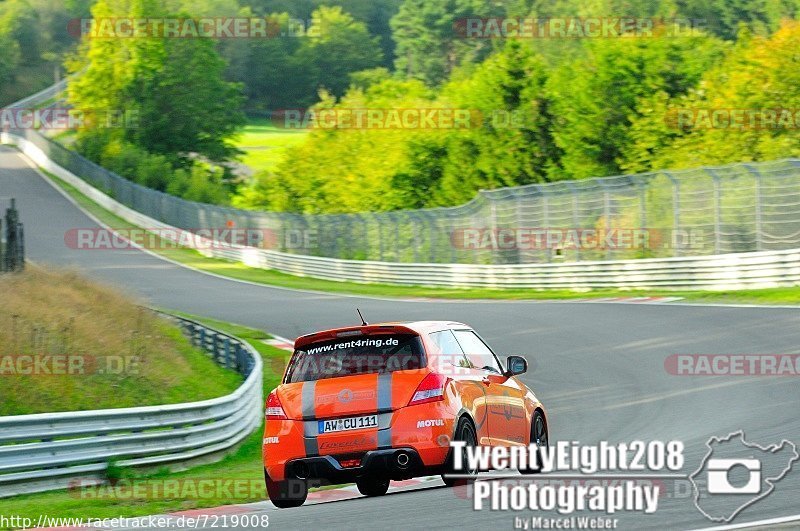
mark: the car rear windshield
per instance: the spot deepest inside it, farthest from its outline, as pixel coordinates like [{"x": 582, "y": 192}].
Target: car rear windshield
[{"x": 356, "y": 355}]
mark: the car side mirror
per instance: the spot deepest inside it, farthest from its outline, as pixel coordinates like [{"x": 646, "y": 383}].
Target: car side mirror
[{"x": 516, "y": 365}]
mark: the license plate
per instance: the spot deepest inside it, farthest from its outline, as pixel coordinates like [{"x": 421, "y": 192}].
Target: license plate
[{"x": 350, "y": 423}]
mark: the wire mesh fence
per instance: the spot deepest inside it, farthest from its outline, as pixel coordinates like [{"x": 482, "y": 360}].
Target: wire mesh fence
[{"x": 703, "y": 211}]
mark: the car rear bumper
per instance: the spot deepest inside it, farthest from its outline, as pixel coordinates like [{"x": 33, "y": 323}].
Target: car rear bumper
[
  {"x": 394, "y": 463},
  {"x": 424, "y": 431}
]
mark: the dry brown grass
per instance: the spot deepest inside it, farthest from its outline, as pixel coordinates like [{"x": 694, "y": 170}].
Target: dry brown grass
[{"x": 46, "y": 313}]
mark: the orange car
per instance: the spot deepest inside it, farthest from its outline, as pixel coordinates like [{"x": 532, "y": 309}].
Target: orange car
[{"x": 374, "y": 403}]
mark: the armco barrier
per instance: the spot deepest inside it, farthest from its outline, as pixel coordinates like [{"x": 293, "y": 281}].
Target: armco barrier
[
  {"x": 763, "y": 269},
  {"x": 47, "y": 451}
]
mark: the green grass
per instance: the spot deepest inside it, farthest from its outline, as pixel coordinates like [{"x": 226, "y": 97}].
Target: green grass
[
  {"x": 264, "y": 144},
  {"x": 239, "y": 271},
  {"x": 243, "y": 465},
  {"x": 128, "y": 356}
]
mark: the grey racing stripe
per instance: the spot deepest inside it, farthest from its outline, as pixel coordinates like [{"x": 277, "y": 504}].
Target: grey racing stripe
[
  {"x": 307, "y": 399},
  {"x": 385, "y": 392},
  {"x": 385, "y": 438},
  {"x": 385, "y": 404},
  {"x": 311, "y": 446},
  {"x": 308, "y": 394}
]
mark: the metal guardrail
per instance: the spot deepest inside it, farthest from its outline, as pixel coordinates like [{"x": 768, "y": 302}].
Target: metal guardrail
[
  {"x": 50, "y": 451},
  {"x": 716, "y": 272},
  {"x": 746, "y": 207},
  {"x": 703, "y": 211}
]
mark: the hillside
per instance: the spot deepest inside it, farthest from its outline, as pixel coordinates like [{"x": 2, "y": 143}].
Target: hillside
[{"x": 68, "y": 344}]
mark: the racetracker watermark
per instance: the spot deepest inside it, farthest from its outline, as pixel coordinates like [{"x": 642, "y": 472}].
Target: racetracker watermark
[
  {"x": 407, "y": 119},
  {"x": 733, "y": 364},
  {"x": 567, "y": 238},
  {"x": 375, "y": 118},
  {"x": 576, "y": 28},
  {"x": 268, "y": 27},
  {"x": 772, "y": 119},
  {"x": 93, "y": 239},
  {"x": 67, "y": 365},
  {"x": 202, "y": 521},
  {"x": 169, "y": 489},
  {"x": 57, "y": 118}
]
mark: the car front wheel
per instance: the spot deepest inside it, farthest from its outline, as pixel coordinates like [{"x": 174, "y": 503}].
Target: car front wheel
[
  {"x": 464, "y": 432},
  {"x": 539, "y": 437}
]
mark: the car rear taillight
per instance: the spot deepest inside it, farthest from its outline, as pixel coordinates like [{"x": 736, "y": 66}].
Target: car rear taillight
[
  {"x": 350, "y": 463},
  {"x": 274, "y": 408},
  {"x": 431, "y": 389}
]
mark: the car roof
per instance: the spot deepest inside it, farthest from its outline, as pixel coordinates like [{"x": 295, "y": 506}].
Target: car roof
[{"x": 418, "y": 327}]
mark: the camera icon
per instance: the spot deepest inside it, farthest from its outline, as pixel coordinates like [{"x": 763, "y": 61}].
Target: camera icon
[{"x": 719, "y": 482}]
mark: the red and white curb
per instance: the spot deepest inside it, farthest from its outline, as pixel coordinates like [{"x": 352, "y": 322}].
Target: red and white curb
[
  {"x": 281, "y": 343},
  {"x": 626, "y": 300}
]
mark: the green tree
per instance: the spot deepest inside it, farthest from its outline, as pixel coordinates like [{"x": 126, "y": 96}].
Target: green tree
[
  {"x": 174, "y": 85},
  {"x": 19, "y": 20},
  {"x": 759, "y": 74},
  {"x": 510, "y": 143},
  {"x": 595, "y": 99},
  {"x": 8, "y": 60},
  {"x": 336, "y": 46},
  {"x": 429, "y": 43},
  {"x": 725, "y": 17},
  {"x": 186, "y": 107},
  {"x": 272, "y": 76}
]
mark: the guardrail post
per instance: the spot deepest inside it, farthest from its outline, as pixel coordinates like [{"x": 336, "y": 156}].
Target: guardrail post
[
  {"x": 575, "y": 217},
  {"x": 758, "y": 220},
  {"x": 416, "y": 244},
  {"x": 229, "y": 361},
  {"x": 546, "y": 220},
  {"x": 642, "y": 205},
  {"x": 759, "y": 226},
  {"x": 642, "y": 185},
  {"x": 431, "y": 235},
  {"x": 2, "y": 246},
  {"x": 606, "y": 211},
  {"x": 676, "y": 211},
  {"x": 451, "y": 226},
  {"x": 380, "y": 235},
  {"x": 237, "y": 353},
  {"x": 717, "y": 211},
  {"x": 396, "y": 224},
  {"x": 21, "y": 249},
  {"x": 493, "y": 228},
  {"x": 14, "y": 254}
]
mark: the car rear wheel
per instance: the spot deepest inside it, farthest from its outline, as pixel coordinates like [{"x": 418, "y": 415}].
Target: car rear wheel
[
  {"x": 464, "y": 432},
  {"x": 539, "y": 437},
  {"x": 287, "y": 493},
  {"x": 369, "y": 486}
]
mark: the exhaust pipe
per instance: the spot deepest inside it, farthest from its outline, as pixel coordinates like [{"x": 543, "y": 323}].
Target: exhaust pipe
[
  {"x": 402, "y": 460},
  {"x": 300, "y": 470}
]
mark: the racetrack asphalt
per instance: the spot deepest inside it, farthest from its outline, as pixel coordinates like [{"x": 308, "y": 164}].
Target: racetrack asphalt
[{"x": 599, "y": 368}]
